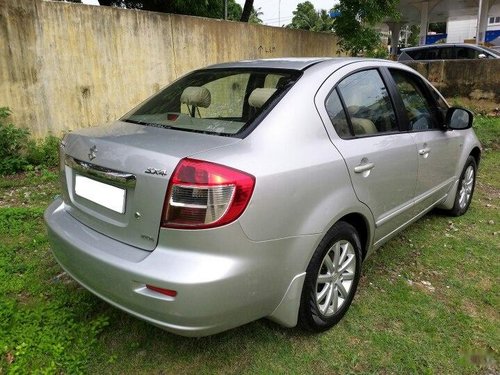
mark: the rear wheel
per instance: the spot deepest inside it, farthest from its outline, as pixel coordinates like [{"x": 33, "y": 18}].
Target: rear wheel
[
  {"x": 465, "y": 188},
  {"x": 331, "y": 278}
]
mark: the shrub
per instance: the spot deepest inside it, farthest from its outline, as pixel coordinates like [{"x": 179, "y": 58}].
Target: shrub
[
  {"x": 13, "y": 142},
  {"x": 19, "y": 152},
  {"x": 43, "y": 153}
]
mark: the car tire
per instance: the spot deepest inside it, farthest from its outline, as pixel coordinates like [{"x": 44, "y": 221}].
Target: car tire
[
  {"x": 332, "y": 277},
  {"x": 465, "y": 188}
]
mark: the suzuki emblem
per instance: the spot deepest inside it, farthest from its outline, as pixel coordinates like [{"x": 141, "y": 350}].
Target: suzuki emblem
[{"x": 93, "y": 152}]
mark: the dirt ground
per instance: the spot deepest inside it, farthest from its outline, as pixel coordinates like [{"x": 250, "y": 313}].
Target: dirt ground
[{"x": 479, "y": 107}]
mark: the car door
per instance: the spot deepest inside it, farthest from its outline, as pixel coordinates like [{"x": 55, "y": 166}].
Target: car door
[
  {"x": 437, "y": 148},
  {"x": 381, "y": 161}
]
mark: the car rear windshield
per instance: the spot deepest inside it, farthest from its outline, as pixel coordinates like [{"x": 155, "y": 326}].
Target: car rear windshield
[{"x": 214, "y": 101}]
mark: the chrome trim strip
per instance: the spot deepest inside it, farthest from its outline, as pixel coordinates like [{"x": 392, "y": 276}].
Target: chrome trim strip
[
  {"x": 413, "y": 203},
  {"x": 433, "y": 191},
  {"x": 415, "y": 218},
  {"x": 102, "y": 174},
  {"x": 396, "y": 212}
]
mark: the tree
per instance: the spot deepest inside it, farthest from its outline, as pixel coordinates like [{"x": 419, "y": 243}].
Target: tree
[
  {"x": 305, "y": 17},
  {"x": 255, "y": 16},
  {"x": 247, "y": 11},
  {"x": 233, "y": 10},
  {"x": 356, "y": 20},
  {"x": 324, "y": 22},
  {"x": 414, "y": 35},
  {"x": 203, "y": 8}
]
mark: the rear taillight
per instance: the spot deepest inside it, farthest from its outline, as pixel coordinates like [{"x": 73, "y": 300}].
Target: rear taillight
[{"x": 205, "y": 195}]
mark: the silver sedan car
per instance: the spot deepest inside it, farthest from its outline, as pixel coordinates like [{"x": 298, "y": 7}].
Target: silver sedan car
[{"x": 256, "y": 189}]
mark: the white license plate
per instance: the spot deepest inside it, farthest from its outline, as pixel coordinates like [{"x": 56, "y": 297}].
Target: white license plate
[{"x": 105, "y": 195}]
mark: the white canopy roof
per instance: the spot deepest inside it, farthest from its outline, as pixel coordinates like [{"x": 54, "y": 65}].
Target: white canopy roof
[{"x": 441, "y": 10}]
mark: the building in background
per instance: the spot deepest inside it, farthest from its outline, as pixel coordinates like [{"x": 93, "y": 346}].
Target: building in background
[{"x": 463, "y": 29}]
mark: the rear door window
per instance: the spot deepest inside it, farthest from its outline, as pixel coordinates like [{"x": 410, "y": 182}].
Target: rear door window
[{"x": 337, "y": 115}]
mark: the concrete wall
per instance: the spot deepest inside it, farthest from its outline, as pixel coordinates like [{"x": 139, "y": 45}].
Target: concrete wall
[
  {"x": 472, "y": 79},
  {"x": 65, "y": 66}
]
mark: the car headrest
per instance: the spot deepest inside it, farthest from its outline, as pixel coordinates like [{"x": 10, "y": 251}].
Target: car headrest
[
  {"x": 196, "y": 96},
  {"x": 282, "y": 82},
  {"x": 259, "y": 97},
  {"x": 363, "y": 126},
  {"x": 353, "y": 109}
]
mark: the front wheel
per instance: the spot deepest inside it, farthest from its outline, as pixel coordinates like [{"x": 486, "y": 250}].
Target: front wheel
[
  {"x": 465, "y": 189},
  {"x": 331, "y": 278}
]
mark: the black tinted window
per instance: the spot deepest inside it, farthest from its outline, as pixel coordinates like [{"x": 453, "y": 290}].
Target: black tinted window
[
  {"x": 446, "y": 53},
  {"x": 466, "y": 53},
  {"x": 425, "y": 54},
  {"x": 432, "y": 54}
]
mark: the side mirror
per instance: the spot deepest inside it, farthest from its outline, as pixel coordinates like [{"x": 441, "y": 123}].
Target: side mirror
[{"x": 458, "y": 119}]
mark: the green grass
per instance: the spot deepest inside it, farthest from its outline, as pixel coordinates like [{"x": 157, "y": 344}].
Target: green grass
[{"x": 428, "y": 303}]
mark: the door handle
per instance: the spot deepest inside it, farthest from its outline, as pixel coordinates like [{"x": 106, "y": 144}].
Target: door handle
[
  {"x": 363, "y": 167},
  {"x": 424, "y": 151}
]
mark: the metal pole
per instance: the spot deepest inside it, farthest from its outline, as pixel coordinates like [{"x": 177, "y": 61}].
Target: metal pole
[
  {"x": 424, "y": 23},
  {"x": 225, "y": 10},
  {"x": 279, "y": 13},
  {"x": 478, "y": 25}
]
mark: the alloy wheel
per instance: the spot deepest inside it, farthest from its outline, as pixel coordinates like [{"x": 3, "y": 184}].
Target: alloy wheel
[
  {"x": 466, "y": 187},
  {"x": 335, "y": 277}
]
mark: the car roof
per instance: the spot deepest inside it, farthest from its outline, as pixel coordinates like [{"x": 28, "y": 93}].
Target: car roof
[
  {"x": 294, "y": 63},
  {"x": 443, "y": 45},
  {"x": 490, "y": 51}
]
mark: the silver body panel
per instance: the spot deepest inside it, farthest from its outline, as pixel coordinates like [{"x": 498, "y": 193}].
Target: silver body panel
[
  {"x": 135, "y": 149},
  {"x": 219, "y": 287},
  {"x": 254, "y": 267}
]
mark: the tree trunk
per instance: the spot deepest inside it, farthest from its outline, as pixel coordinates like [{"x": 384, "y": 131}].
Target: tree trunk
[{"x": 247, "y": 11}]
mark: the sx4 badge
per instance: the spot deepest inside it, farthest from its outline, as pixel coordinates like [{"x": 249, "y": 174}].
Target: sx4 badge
[{"x": 159, "y": 172}]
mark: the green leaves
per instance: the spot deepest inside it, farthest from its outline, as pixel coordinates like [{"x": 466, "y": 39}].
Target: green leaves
[
  {"x": 355, "y": 25},
  {"x": 204, "y": 8},
  {"x": 305, "y": 17},
  {"x": 13, "y": 142},
  {"x": 19, "y": 152}
]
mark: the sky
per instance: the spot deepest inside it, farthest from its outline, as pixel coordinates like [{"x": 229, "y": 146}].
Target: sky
[{"x": 276, "y": 12}]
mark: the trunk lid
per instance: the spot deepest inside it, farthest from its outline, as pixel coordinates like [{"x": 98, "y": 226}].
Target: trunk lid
[{"x": 115, "y": 177}]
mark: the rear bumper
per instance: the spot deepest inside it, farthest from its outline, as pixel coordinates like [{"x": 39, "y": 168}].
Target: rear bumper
[{"x": 222, "y": 279}]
